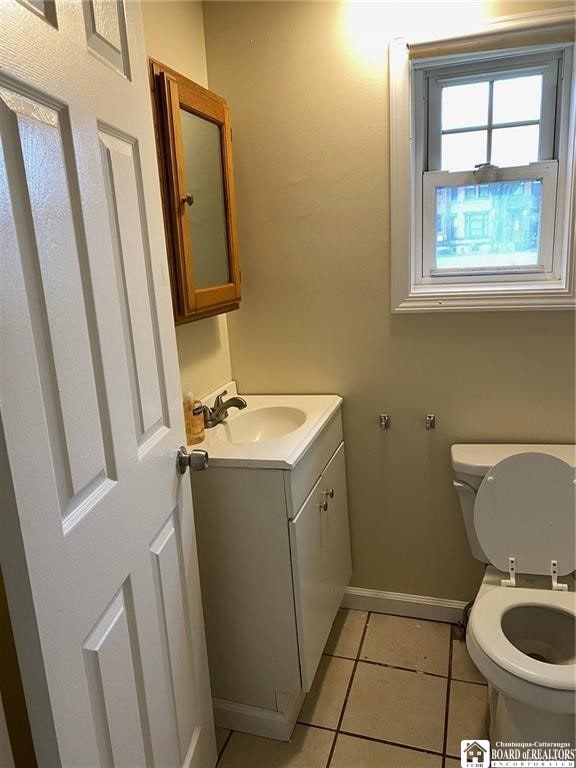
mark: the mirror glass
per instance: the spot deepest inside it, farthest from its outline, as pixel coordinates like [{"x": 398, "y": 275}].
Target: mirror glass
[{"x": 207, "y": 215}]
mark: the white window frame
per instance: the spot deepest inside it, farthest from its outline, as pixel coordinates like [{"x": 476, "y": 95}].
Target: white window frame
[{"x": 417, "y": 288}]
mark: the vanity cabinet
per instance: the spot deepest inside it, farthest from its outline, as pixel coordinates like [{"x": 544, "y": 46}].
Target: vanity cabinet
[
  {"x": 274, "y": 553},
  {"x": 194, "y": 147}
]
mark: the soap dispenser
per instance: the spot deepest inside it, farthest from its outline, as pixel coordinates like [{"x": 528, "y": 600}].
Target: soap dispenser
[{"x": 193, "y": 417}]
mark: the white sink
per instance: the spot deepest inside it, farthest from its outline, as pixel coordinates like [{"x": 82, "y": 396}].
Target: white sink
[
  {"x": 273, "y": 431},
  {"x": 258, "y": 424}
]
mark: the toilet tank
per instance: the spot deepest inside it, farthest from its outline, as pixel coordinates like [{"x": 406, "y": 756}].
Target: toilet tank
[{"x": 471, "y": 463}]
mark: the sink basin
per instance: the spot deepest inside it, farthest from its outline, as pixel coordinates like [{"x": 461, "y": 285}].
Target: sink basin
[{"x": 255, "y": 425}]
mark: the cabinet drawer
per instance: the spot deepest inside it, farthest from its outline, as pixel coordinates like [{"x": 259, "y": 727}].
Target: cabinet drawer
[
  {"x": 321, "y": 564},
  {"x": 301, "y": 479}
]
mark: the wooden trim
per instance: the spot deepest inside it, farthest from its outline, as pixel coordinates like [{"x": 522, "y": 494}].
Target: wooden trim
[
  {"x": 176, "y": 181},
  {"x": 171, "y": 92},
  {"x": 159, "y": 132},
  {"x": 217, "y": 309},
  {"x": 271, "y": 724},
  {"x": 401, "y": 604},
  {"x": 527, "y": 29}
]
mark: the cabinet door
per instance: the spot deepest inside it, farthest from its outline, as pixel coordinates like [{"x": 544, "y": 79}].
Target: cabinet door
[
  {"x": 321, "y": 562},
  {"x": 309, "y": 543},
  {"x": 194, "y": 142},
  {"x": 338, "y": 557}
]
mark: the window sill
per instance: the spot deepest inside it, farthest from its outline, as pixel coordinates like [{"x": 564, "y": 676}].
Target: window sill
[{"x": 492, "y": 298}]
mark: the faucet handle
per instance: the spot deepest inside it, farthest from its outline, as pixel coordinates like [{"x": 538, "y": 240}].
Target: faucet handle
[{"x": 220, "y": 398}]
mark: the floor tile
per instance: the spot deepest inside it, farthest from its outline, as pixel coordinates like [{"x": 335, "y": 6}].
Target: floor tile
[
  {"x": 346, "y": 633},
  {"x": 221, "y": 736},
  {"x": 396, "y": 705},
  {"x": 308, "y": 748},
  {"x": 323, "y": 705},
  {"x": 452, "y": 762},
  {"x": 467, "y": 715},
  {"x": 354, "y": 752},
  {"x": 463, "y": 668},
  {"x": 410, "y": 643}
]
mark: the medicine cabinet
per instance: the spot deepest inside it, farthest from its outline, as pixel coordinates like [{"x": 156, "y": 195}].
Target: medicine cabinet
[{"x": 194, "y": 143}]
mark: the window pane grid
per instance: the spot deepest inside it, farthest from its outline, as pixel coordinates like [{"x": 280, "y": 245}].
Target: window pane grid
[
  {"x": 471, "y": 128},
  {"x": 456, "y": 156}
]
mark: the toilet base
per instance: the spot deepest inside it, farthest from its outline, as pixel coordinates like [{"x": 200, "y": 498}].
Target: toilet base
[{"x": 513, "y": 721}]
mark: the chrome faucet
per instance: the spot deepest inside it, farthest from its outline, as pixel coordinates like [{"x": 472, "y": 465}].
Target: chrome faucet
[{"x": 219, "y": 411}]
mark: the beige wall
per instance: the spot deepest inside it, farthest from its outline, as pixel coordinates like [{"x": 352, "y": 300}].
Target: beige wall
[
  {"x": 174, "y": 31},
  {"x": 310, "y": 124}
]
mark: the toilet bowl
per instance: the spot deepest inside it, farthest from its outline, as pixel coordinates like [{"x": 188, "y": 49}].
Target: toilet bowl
[{"x": 522, "y": 627}]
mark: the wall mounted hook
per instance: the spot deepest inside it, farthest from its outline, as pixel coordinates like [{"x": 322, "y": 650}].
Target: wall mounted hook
[{"x": 430, "y": 422}]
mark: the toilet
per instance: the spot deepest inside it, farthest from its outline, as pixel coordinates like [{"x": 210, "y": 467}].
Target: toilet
[{"x": 519, "y": 508}]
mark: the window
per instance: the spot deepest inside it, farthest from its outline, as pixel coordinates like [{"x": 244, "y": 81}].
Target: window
[{"x": 491, "y": 169}]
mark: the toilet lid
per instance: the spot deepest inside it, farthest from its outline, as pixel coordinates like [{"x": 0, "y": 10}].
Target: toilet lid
[{"x": 526, "y": 508}]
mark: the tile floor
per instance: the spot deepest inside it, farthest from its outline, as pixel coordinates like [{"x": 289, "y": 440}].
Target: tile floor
[{"x": 390, "y": 692}]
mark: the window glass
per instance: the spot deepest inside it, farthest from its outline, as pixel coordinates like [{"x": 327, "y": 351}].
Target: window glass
[
  {"x": 462, "y": 151},
  {"x": 464, "y": 106},
  {"x": 496, "y": 226},
  {"x": 515, "y": 146},
  {"x": 517, "y": 99}
]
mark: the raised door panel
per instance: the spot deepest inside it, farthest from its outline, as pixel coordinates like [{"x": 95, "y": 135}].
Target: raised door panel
[
  {"x": 106, "y": 36},
  {"x": 116, "y": 692},
  {"x": 124, "y": 192},
  {"x": 312, "y": 596},
  {"x": 46, "y": 9},
  {"x": 174, "y": 619},
  {"x": 339, "y": 562},
  {"x": 38, "y": 184}
]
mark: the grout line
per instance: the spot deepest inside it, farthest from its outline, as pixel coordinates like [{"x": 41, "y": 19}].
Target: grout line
[
  {"x": 406, "y": 616},
  {"x": 404, "y": 669},
  {"x": 339, "y": 724},
  {"x": 338, "y": 656},
  {"x": 391, "y": 743},
  {"x": 469, "y": 682},
  {"x": 315, "y": 725},
  {"x": 223, "y": 749},
  {"x": 449, "y": 686}
]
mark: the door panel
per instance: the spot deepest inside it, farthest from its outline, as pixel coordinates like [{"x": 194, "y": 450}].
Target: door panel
[
  {"x": 37, "y": 184},
  {"x": 175, "y": 621},
  {"x": 113, "y": 683},
  {"x": 106, "y": 32},
  {"x": 133, "y": 272},
  {"x": 97, "y": 544}
]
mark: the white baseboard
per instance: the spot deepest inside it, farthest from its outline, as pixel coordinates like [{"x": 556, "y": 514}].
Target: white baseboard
[
  {"x": 400, "y": 604},
  {"x": 260, "y": 722}
]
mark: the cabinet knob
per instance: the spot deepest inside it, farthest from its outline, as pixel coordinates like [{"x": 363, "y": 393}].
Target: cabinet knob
[
  {"x": 329, "y": 493},
  {"x": 188, "y": 199},
  {"x": 323, "y": 506}
]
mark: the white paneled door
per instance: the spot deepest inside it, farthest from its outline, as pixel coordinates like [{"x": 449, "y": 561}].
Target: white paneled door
[{"x": 96, "y": 531}]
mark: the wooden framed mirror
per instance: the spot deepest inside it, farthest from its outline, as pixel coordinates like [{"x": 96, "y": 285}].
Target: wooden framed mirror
[{"x": 194, "y": 142}]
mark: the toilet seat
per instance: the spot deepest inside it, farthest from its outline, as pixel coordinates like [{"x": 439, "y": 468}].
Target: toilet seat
[
  {"x": 525, "y": 510},
  {"x": 486, "y": 626}
]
